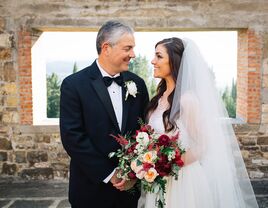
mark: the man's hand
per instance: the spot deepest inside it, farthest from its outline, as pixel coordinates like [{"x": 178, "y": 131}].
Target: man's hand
[
  {"x": 120, "y": 184},
  {"x": 125, "y": 185},
  {"x": 114, "y": 180}
]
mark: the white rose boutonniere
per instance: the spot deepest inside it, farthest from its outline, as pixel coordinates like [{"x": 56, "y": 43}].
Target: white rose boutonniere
[{"x": 131, "y": 89}]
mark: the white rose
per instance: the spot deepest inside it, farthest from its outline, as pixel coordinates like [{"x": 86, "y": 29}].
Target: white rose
[
  {"x": 142, "y": 138},
  {"x": 139, "y": 148}
]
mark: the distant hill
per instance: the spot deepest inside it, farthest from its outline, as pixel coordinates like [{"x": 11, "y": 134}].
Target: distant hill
[{"x": 65, "y": 68}]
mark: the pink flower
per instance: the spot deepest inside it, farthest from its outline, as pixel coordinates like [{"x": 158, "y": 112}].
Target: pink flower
[
  {"x": 150, "y": 175},
  {"x": 149, "y": 157}
]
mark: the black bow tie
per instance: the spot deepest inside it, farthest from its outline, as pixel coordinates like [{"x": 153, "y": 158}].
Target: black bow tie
[{"x": 109, "y": 80}]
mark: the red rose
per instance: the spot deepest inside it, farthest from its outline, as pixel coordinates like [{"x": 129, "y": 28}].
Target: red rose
[
  {"x": 147, "y": 166},
  {"x": 179, "y": 162},
  {"x": 178, "y": 159},
  {"x": 143, "y": 129},
  {"x": 163, "y": 140},
  {"x": 177, "y": 153}
]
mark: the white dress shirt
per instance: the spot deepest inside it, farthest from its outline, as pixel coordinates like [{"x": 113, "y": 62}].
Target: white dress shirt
[{"x": 115, "y": 92}]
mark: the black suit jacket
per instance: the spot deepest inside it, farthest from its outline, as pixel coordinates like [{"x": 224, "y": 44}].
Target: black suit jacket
[{"x": 87, "y": 119}]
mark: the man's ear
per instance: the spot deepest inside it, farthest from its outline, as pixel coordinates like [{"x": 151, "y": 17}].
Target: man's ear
[{"x": 105, "y": 48}]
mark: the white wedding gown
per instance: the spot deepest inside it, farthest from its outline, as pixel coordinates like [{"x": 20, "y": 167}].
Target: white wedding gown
[
  {"x": 191, "y": 190},
  {"x": 214, "y": 175}
]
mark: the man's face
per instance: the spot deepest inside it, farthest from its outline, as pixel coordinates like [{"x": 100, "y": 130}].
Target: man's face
[{"x": 120, "y": 54}]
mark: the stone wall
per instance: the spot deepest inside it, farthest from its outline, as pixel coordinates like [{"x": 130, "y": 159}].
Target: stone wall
[
  {"x": 36, "y": 152},
  {"x": 32, "y": 153}
]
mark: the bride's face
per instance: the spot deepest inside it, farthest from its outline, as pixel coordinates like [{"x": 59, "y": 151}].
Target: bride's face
[{"x": 161, "y": 62}]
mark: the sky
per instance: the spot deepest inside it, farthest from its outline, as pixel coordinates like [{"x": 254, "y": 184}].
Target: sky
[{"x": 218, "y": 48}]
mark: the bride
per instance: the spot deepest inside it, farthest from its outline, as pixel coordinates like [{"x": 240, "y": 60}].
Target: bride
[{"x": 214, "y": 174}]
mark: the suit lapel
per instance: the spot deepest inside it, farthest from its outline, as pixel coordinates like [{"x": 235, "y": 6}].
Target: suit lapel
[
  {"x": 103, "y": 93},
  {"x": 125, "y": 104}
]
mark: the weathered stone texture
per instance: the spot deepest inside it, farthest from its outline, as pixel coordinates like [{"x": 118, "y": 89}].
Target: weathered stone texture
[
  {"x": 36, "y": 156},
  {"x": 9, "y": 169},
  {"x": 20, "y": 156},
  {"x": 5, "y": 40},
  {"x": 3, "y": 156},
  {"x": 9, "y": 72},
  {"x": 5, "y": 54},
  {"x": 2, "y": 24},
  {"x": 5, "y": 144},
  {"x": 37, "y": 173},
  {"x": 263, "y": 140}
]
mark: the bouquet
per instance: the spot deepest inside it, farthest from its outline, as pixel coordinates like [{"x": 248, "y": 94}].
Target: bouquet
[{"x": 149, "y": 157}]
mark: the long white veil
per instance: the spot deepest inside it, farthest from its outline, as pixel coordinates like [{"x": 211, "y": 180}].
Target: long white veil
[{"x": 198, "y": 106}]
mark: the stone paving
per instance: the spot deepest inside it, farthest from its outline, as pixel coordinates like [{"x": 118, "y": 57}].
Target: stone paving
[
  {"x": 34, "y": 194},
  {"x": 53, "y": 193}
]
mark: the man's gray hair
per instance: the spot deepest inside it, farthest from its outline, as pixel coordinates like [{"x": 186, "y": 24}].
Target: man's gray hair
[{"x": 111, "y": 32}]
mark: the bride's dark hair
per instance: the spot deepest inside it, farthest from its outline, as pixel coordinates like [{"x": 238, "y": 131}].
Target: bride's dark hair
[{"x": 175, "y": 48}]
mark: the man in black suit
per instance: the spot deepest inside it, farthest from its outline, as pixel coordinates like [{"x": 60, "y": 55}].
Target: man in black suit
[{"x": 101, "y": 100}]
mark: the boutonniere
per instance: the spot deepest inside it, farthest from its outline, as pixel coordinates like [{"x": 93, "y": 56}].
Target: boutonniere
[{"x": 131, "y": 89}]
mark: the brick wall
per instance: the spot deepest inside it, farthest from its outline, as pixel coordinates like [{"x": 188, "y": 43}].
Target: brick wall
[
  {"x": 25, "y": 76},
  {"x": 249, "y": 76}
]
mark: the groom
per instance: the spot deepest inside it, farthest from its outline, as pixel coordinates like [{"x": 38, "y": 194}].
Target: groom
[{"x": 95, "y": 104}]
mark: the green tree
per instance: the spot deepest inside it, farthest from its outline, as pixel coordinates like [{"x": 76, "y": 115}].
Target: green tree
[
  {"x": 229, "y": 99},
  {"x": 75, "y": 68},
  {"x": 233, "y": 91},
  {"x": 53, "y": 95},
  {"x": 140, "y": 66}
]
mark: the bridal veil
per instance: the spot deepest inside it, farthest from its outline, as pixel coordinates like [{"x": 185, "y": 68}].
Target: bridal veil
[{"x": 198, "y": 106}]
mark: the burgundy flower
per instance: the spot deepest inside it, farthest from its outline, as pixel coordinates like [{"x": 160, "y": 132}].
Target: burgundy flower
[
  {"x": 132, "y": 148},
  {"x": 178, "y": 159},
  {"x": 143, "y": 129},
  {"x": 146, "y": 128},
  {"x": 163, "y": 166},
  {"x": 175, "y": 137},
  {"x": 131, "y": 175},
  {"x": 137, "y": 132},
  {"x": 163, "y": 140}
]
